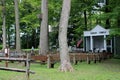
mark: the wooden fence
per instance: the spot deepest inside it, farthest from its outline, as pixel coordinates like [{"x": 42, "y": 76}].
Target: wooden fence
[{"x": 26, "y": 60}]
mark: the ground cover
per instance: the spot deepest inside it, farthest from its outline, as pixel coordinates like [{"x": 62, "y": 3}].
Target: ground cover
[{"x": 106, "y": 70}]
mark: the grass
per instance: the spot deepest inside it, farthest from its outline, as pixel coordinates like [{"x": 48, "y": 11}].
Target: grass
[{"x": 106, "y": 70}]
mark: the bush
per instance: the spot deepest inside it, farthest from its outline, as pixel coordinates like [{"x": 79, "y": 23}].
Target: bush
[{"x": 1, "y": 46}]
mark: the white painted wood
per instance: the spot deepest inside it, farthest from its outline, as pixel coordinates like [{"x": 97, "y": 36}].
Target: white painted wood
[
  {"x": 105, "y": 44},
  {"x": 97, "y": 31},
  {"x": 91, "y": 43}
]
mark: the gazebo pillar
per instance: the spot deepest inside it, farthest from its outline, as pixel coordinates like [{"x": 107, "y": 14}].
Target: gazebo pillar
[
  {"x": 85, "y": 41},
  {"x": 91, "y": 43},
  {"x": 105, "y": 44}
]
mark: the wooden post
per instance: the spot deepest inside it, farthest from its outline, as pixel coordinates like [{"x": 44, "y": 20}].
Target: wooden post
[
  {"x": 88, "y": 60},
  {"x": 6, "y": 55},
  {"x": 50, "y": 64},
  {"x": 27, "y": 67},
  {"x": 74, "y": 59},
  {"x": 6, "y": 62},
  {"x": 48, "y": 61},
  {"x": 94, "y": 57},
  {"x": 99, "y": 58}
]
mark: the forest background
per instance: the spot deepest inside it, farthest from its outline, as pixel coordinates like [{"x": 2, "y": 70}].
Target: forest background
[{"x": 84, "y": 15}]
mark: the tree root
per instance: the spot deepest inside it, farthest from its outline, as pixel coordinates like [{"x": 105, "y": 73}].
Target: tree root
[{"x": 66, "y": 66}]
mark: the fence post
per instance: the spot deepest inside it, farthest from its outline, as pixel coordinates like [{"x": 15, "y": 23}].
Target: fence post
[
  {"x": 48, "y": 61},
  {"x": 27, "y": 67},
  {"x": 94, "y": 58},
  {"x": 88, "y": 59},
  {"x": 74, "y": 59},
  {"x": 6, "y": 55}
]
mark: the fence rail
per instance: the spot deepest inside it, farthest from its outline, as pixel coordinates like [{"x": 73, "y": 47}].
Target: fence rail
[{"x": 26, "y": 60}]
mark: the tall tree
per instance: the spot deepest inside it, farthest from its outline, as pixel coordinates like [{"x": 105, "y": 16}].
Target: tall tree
[
  {"x": 4, "y": 23},
  {"x": 64, "y": 55},
  {"x": 43, "y": 48},
  {"x": 18, "y": 45},
  {"x": 29, "y": 23}
]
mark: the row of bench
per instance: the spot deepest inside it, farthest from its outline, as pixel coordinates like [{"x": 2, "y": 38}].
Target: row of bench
[{"x": 51, "y": 59}]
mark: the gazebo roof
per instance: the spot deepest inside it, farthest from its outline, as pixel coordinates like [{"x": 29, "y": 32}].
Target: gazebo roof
[{"x": 97, "y": 31}]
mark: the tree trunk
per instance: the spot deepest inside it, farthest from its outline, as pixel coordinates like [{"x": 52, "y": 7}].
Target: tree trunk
[
  {"x": 118, "y": 22},
  {"x": 4, "y": 24},
  {"x": 18, "y": 43},
  {"x": 43, "y": 48},
  {"x": 64, "y": 55},
  {"x": 107, "y": 11},
  {"x": 85, "y": 19}
]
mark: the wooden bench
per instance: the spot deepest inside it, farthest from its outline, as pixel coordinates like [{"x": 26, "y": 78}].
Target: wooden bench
[
  {"x": 75, "y": 57},
  {"x": 51, "y": 59},
  {"x": 40, "y": 58}
]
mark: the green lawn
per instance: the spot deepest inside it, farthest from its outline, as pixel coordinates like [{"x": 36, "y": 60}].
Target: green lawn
[{"x": 106, "y": 70}]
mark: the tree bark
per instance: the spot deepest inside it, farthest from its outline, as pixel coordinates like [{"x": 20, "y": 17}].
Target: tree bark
[
  {"x": 43, "y": 48},
  {"x": 4, "y": 24},
  {"x": 64, "y": 55},
  {"x": 18, "y": 43}
]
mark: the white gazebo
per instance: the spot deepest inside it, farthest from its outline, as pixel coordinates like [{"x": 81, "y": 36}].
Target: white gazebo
[{"x": 95, "y": 39}]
